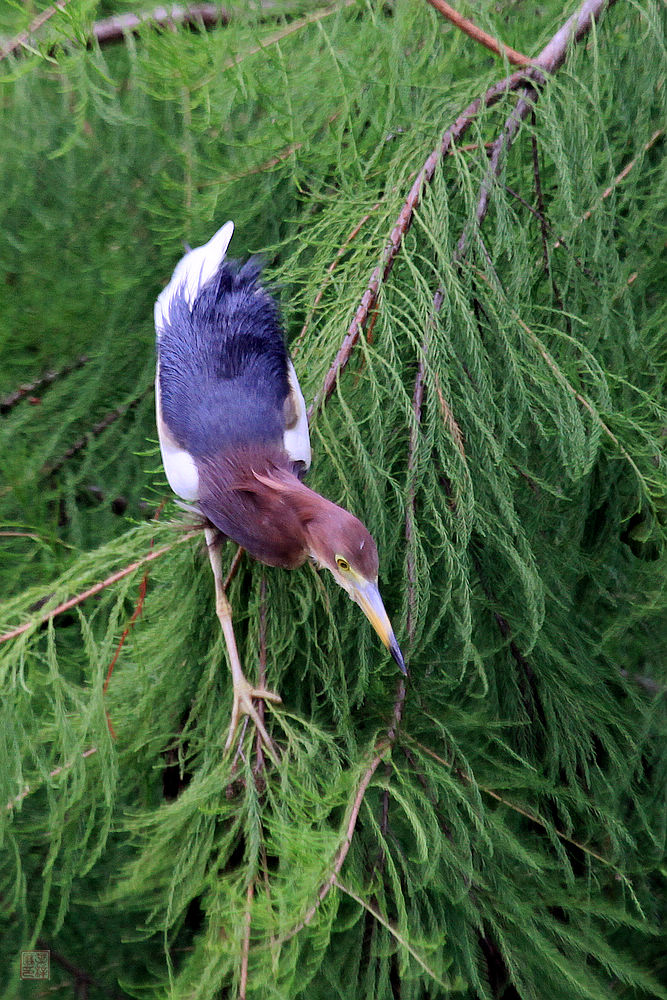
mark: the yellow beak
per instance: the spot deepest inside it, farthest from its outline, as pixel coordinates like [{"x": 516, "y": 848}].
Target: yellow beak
[{"x": 367, "y": 596}]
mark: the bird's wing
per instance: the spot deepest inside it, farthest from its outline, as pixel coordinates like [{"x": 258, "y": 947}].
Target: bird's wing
[
  {"x": 180, "y": 467},
  {"x": 192, "y": 272},
  {"x": 296, "y": 439}
]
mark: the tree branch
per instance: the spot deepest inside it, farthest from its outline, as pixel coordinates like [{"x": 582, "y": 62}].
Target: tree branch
[
  {"x": 342, "y": 852},
  {"x": 10, "y": 401},
  {"x": 22, "y": 40},
  {"x": 550, "y": 59},
  {"x": 616, "y": 181},
  {"x": 111, "y": 30},
  {"x": 27, "y": 790},
  {"x": 245, "y": 953},
  {"x": 94, "y": 432},
  {"x": 96, "y": 588},
  {"x": 471, "y": 29},
  {"x": 403, "y": 222}
]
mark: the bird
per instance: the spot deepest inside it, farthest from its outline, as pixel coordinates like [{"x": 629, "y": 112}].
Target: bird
[{"x": 235, "y": 445}]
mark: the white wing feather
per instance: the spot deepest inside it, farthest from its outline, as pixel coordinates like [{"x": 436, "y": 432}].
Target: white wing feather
[
  {"x": 182, "y": 474},
  {"x": 192, "y": 272},
  {"x": 296, "y": 439}
]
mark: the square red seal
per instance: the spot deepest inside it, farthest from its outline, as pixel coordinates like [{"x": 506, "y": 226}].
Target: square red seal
[{"x": 35, "y": 965}]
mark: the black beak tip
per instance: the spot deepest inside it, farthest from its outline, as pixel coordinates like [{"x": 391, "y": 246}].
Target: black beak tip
[{"x": 395, "y": 651}]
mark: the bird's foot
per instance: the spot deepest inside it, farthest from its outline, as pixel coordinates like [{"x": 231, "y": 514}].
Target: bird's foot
[{"x": 244, "y": 696}]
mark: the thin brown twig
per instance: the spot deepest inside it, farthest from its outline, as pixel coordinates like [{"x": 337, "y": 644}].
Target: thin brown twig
[
  {"x": 616, "y": 181},
  {"x": 317, "y": 15},
  {"x": 82, "y": 979},
  {"x": 417, "y": 401},
  {"x": 449, "y": 418},
  {"x": 96, "y": 588},
  {"x": 29, "y": 388},
  {"x": 44, "y": 540},
  {"x": 544, "y": 225},
  {"x": 22, "y": 40},
  {"x": 143, "y": 586},
  {"x": 273, "y": 161},
  {"x": 332, "y": 266},
  {"x": 539, "y": 197},
  {"x": 377, "y": 915},
  {"x": 577, "y": 260},
  {"x": 565, "y": 381},
  {"x": 469, "y": 147},
  {"x": 478, "y": 35},
  {"x": 233, "y": 569},
  {"x": 259, "y": 753}
]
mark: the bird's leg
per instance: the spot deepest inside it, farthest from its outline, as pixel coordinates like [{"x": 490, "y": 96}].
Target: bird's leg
[{"x": 244, "y": 692}]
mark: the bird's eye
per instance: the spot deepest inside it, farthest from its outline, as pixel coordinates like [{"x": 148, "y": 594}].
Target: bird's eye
[{"x": 342, "y": 564}]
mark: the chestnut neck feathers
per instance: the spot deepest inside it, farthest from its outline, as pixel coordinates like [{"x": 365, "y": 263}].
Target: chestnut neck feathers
[{"x": 255, "y": 498}]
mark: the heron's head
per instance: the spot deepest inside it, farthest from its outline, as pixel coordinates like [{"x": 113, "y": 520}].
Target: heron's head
[
  {"x": 339, "y": 541},
  {"x": 255, "y": 498}
]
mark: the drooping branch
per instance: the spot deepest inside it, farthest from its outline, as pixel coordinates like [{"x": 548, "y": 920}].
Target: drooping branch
[
  {"x": 616, "y": 181},
  {"x": 550, "y": 59},
  {"x": 342, "y": 852},
  {"x": 27, "y": 790}
]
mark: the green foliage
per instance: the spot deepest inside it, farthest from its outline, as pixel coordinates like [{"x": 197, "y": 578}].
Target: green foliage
[{"x": 511, "y": 842}]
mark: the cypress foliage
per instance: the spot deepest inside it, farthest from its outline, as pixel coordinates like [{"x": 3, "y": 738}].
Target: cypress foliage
[{"x": 498, "y": 828}]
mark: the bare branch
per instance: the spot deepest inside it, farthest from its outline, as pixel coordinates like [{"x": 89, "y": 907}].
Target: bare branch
[
  {"x": 544, "y": 221},
  {"x": 332, "y": 266},
  {"x": 564, "y": 381},
  {"x": 550, "y": 59},
  {"x": 511, "y": 805},
  {"x": 82, "y": 979},
  {"x": 394, "y": 932},
  {"x": 315, "y": 16},
  {"x": 478, "y": 35},
  {"x": 234, "y": 567},
  {"x": 342, "y": 852}
]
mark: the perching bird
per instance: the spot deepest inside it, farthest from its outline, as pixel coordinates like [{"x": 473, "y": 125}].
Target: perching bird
[{"x": 234, "y": 439}]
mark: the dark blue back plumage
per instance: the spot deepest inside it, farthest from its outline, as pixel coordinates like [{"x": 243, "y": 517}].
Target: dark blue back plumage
[{"x": 223, "y": 364}]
